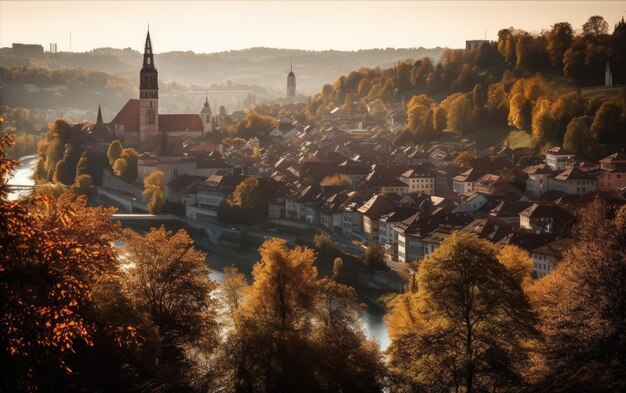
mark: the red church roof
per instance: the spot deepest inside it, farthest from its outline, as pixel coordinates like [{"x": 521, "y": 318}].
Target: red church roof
[
  {"x": 128, "y": 116},
  {"x": 186, "y": 122}
]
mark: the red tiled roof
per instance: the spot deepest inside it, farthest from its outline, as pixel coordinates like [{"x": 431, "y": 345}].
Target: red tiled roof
[
  {"x": 205, "y": 147},
  {"x": 128, "y": 116},
  {"x": 183, "y": 122},
  {"x": 620, "y": 157}
]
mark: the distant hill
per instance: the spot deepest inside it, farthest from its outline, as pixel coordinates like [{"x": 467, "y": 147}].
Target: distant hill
[{"x": 265, "y": 67}]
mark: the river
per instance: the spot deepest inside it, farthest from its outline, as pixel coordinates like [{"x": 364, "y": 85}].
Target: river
[
  {"x": 23, "y": 176},
  {"x": 373, "y": 322}
]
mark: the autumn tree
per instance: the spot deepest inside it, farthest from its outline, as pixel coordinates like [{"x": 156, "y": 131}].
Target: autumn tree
[
  {"x": 323, "y": 242},
  {"x": 520, "y": 112},
  {"x": 119, "y": 167},
  {"x": 82, "y": 184},
  {"x": 581, "y": 308},
  {"x": 337, "y": 268},
  {"x": 466, "y": 326},
  {"x": 131, "y": 157},
  {"x": 374, "y": 255},
  {"x": 154, "y": 191},
  {"x": 52, "y": 254},
  {"x": 338, "y": 180},
  {"x": 114, "y": 151},
  {"x": 82, "y": 167},
  {"x": 459, "y": 112},
  {"x": 559, "y": 40},
  {"x": 168, "y": 279},
  {"x": 464, "y": 158},
  {"x": 608, "y": 122},
  {"x": 543, "y": 123},
  {"x": 65, "y": 170},
  {"x": 297, "y": 332},
  {"x": 379, "y": 110},
  {"x": 579, "y": 138},
  {"x": 251, "y": 194}
]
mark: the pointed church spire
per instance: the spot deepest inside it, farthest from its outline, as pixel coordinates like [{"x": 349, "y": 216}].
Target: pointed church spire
[
  {"x": 148, "y": 57},
  {"x": 99, "y": 119},
  {"x": 291, "y": 64}
]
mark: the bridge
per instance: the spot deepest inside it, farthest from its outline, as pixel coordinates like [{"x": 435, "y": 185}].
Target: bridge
[
  {"x": 20, "y": 187},
  {"x": 214, "y": 230}
]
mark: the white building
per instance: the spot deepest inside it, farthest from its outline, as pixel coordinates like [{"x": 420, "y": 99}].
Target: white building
[
  {"x": 420, "y": 181},
  {"x": 557, "y": 158}
]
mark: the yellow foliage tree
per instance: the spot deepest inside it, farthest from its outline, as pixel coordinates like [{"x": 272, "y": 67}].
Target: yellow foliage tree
[
  {"x": 467, "y": 325},
  {"x": 154, "y": 191}
]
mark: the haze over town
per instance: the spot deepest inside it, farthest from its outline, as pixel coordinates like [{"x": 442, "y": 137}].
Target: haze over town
[{"x": 212, "y": 26}]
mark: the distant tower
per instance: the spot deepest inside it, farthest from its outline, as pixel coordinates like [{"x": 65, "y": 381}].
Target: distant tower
[
  {"x": 99, "y": 120},
  {"x": 148, "y": 96},
  {"x": 291, "y": 83},
  {"x": 608, "y": 75},
  {"x": 206, "y": 116},
  {"x": 100, "y": 130}
]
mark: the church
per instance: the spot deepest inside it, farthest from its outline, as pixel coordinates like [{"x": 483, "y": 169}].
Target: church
[{"x": 139, "y": 123}]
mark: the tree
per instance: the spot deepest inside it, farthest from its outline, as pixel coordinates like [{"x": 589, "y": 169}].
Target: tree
[
  {"x": 607, "y": 124},
  {"x": 578, "y": 137},
  {"x": 519, "y": 112},
  {"x": 51, "y": 149},
  {"x": 581, "y": 308},
  {"x": 114, "y": 151},
  {"x": 53, "y": 254},
  {"x": 466, "y": 326},
  {"x": 154, "y": 191},
  {"x": 459, "y": 114},
  {"x": 464, "y": 159},
  {"x": 131, "y": 157},
  {"x": 233, "y": 291},
  {"x": 543, "y": 123},
  {"x": 82, "y": 167},
  {"x": 595, "y": 26},
  {"x": 379, "y": 110},
  {"x": 337, "y": 268},
  {"x": 254, "y": 124},
  {"x": 82, "y": 185},
  {"x": 169, "y": 281},
  {"x": 251, "y": 195},
  {"x": 119, "y": 167},
  {"x": 337, "y": 180},
  {"x": 65, "y": 170},
  {"x": 559, "y": 40},
  {"x": 440, "y": 118},
  {"x": 323, "y": 242},
  {"x": 374, "y": 255},
  {"x": 296, "y": 332}
]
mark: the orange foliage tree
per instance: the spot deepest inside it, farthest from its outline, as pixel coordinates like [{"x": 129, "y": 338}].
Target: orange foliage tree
[{"x": 51, "y": 254}]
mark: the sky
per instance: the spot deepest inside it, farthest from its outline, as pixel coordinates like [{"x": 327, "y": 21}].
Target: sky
[{"x": 215, "y": 26}]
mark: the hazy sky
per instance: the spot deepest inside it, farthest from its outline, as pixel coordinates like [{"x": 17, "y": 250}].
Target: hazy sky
[{"x": 212, "y": 26}]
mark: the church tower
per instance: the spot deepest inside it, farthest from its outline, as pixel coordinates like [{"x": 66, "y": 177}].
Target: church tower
[
  {"x": 206, "y": 116},
  {"x": 148, "y": 96},
  {"x": 291, "y": 83}
]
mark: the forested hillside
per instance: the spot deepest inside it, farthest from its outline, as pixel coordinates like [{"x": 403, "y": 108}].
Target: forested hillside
[
  {"x": 255, "y": 66},
  {"x": 549, "y": 85}
]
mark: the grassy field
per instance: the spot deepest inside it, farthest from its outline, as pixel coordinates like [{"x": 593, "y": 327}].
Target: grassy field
[{"x": 494, "y": 136}]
